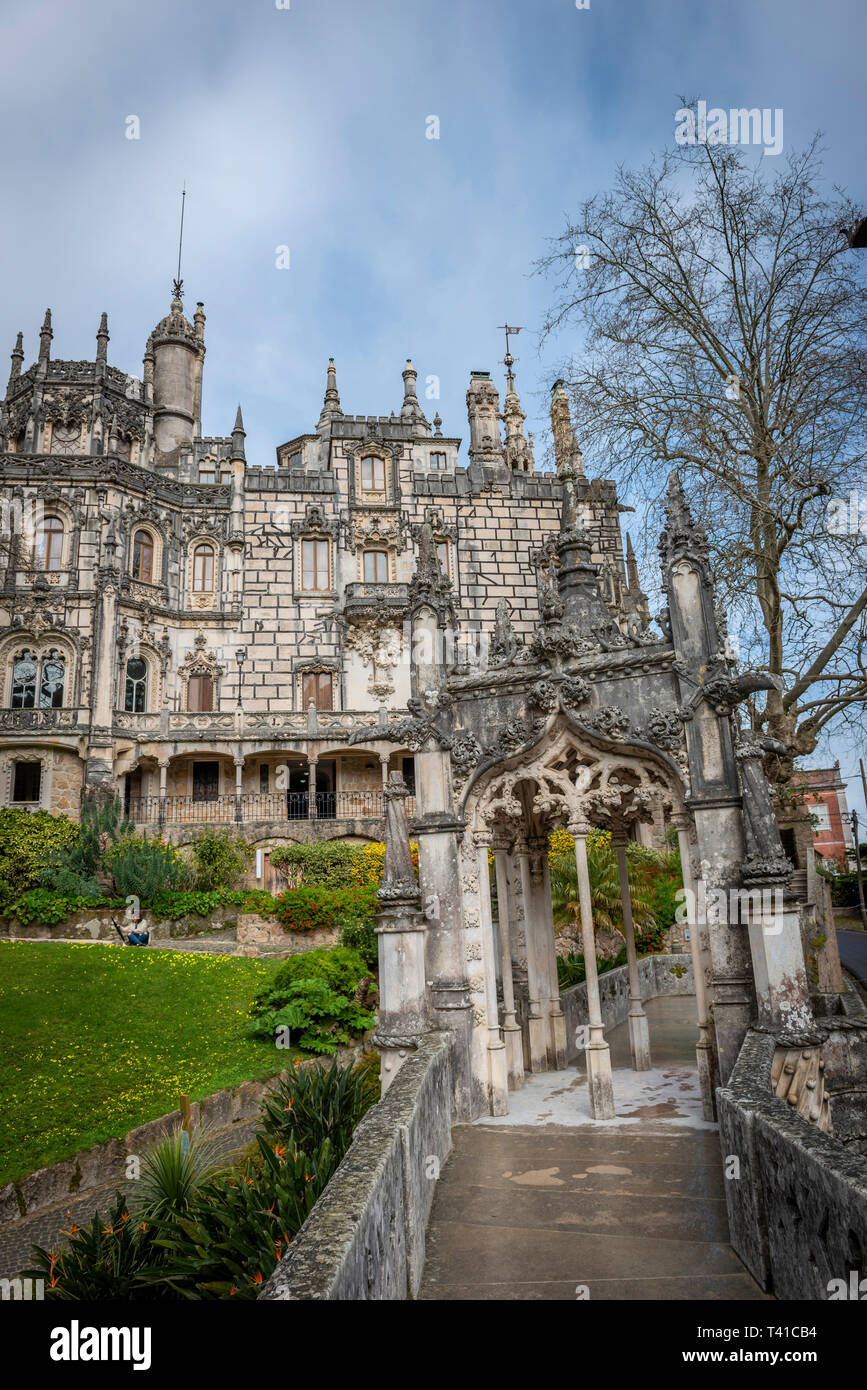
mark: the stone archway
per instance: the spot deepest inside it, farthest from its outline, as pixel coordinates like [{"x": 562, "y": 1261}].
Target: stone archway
[{"x": 577, "y": 780}]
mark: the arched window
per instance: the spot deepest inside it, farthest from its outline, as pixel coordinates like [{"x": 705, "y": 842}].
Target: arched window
[
  {"x": 49, "y": 543},
  {"x": 135, "y": 696},
  {"x": 373, "y": 474},
  {"x": 376, "y": 567},
  {"x": 200, "y": 694},
  {"x": 203, "y": 569},
  {"x": 51, "y": 681},
  {"x": 143, "y": 557},
  {"x": 24, "y": 672},
  {"x": 65, "y": 439}
]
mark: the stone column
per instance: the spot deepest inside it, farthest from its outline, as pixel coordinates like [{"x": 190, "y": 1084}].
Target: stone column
[
  {"x": 312, "y": 761},
  {"x": 164, "y": 767},
  {"x": 404, "y": 1016},
  {"x": 556, "y": 1017},
  {"x": 537, "y": 1029},
  {"x": 239, "y": 773},
  {"x": 597, "y": 1054},
  {"x": 639, "y": 1033},
  {"x": 383, "y": 762},
  {"x": 498, "y": 1085},
  {"x": 704, "y": 1048},
  {"x": 511, "y": 1028}
]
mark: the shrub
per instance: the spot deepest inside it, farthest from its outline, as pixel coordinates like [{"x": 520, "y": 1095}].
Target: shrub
[
  {"x": 331, "y": 864},
  {"x": 240, "y": 1227},
  {"x": 341, "y": 968},
  {"x": 77, "y": 866},
  {"x": 313, "y": 909},
  {"x": 371, "y": 862},
  {"x": 313, "y": 1104},
  {"x": 571, "y": 970},
  {"x": 47, "y": 908},
  {"x": 314, "y": 1017},
  {"x": 844, "y": 889},
  {"x": 359, "y": 934},
  {"x": 144, "y": 866},
  {"x": 218, "y": 859},
  {"x": 101, "y": 1262},
  {"x": 27, "y": 839}
]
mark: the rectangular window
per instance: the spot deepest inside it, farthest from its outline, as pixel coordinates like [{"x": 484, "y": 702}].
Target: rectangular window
[
  {"x": 373, "y": 474},
  {"x": 264, "y": 782},
  {"x": 26, "y": 780},
  {"x": 206, "y": 781},
  {"x": 437, "y": 460},
  {"x": 200, "y": 695},
  {"x": 821, "y": 814},
  {"x": 206, "y": 475},
  {"x": 408, "y": 770},
  {"x": 375, "y": 567},
  {"x": 443, "y": 556},
  {"x": 295, "y": 460},
  {"x": 317, "y": 686},
  {"x": 315, "y": 569}
]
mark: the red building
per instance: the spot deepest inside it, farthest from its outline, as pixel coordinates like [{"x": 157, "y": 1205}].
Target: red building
[{"x": 826, "y": 803}]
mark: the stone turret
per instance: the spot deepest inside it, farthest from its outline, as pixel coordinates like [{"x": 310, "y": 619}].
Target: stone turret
[
  {"x": 178, "y": 351},
  {"x": 411, "y": 412},
  {"x": 331, "y": 404},
  {"x": 17, "y": 355},
  {"x": 102, "y": 340},
  {"x": 517, "y": 452},
  {"x": 45, "y": 336},
  {"x": 483, "y": 413},
  {"x": 566, "y": 451}
]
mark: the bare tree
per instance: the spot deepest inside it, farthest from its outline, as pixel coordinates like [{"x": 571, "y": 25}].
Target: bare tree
[{"x": 723, "y": 323}]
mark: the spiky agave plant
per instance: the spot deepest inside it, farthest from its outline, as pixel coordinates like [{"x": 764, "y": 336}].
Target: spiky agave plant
[{"x": 173, "y": 1172}]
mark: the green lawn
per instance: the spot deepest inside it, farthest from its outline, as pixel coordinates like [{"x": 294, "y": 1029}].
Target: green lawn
[{"x": 97, "y": 1039}]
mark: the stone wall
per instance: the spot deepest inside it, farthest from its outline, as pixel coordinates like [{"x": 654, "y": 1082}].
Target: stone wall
[
  {"x": 365, "y": 1237},
  {"x": 798, "y": 1208},
  {"x": 657, "y": 974},
  {"x": 95, "y": 924}
]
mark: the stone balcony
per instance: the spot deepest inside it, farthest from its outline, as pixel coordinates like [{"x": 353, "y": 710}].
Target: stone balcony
[{"x": 363, "y": 600}]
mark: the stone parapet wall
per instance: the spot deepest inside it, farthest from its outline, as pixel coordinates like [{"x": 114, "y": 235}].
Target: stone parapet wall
[
  {"x": 365, "y": 1237},
  {"x": 798, "y": 1208},
  {"x": 657, "y": 974}
]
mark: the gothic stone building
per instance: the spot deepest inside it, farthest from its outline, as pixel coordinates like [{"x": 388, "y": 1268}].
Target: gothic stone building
[
  {"x": 205, "y": 635},
  {"x": 285, "y": 649}
]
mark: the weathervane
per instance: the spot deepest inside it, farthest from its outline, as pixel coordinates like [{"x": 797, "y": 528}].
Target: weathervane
[
  {"x": 178, "y": 285},
  {"x": 508, "y": 360}
]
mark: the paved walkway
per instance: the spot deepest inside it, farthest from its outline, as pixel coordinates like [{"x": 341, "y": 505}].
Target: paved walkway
[{"x": 546, "y": 1203}]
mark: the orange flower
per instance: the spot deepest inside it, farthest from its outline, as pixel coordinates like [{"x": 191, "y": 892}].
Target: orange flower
[{"x": 257, "y": 1278}]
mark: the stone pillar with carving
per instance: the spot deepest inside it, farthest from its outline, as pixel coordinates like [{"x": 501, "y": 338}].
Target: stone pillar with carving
[
  {"x": 438, "y": 829},
  {"x": 705, "y": 685},
  {"x": 404, "y": 1014}
]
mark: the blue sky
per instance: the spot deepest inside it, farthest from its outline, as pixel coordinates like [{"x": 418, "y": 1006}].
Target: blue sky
[{"x": 306, "y": 126}]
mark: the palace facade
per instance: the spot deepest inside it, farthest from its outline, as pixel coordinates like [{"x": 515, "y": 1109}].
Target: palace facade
[{"x": 207, "y": 636}]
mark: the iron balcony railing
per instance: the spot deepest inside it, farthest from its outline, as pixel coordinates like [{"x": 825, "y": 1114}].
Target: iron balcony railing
[{"x": 258, "y": 806}]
